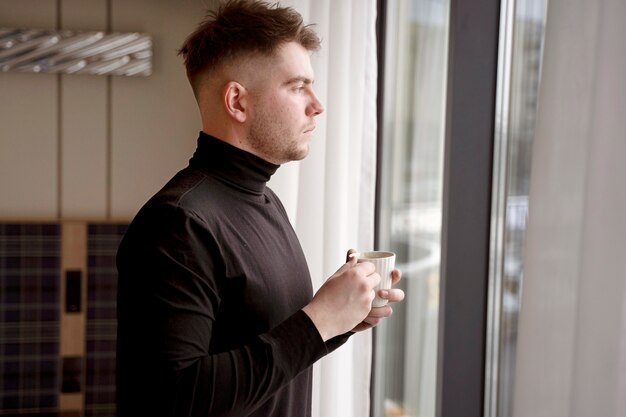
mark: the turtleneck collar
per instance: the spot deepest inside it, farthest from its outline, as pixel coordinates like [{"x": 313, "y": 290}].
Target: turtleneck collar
[{"x": 234, "y": 166}]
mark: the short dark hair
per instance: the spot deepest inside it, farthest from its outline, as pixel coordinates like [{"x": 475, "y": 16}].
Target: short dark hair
[{"x": 239, "y": 27}]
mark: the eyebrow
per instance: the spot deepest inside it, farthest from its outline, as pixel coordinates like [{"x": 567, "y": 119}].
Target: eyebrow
[{"x": 299, "y": 79}]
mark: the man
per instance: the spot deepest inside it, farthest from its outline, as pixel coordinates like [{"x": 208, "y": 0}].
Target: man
[{"x": 215, "y": 315}]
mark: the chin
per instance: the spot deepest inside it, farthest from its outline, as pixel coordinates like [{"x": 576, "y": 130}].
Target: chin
[
  {"x": 297, "y": 153},
  {"x": 303, "y": 153}
]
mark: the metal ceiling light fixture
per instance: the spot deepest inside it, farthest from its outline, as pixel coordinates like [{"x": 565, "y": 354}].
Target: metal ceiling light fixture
[{"x": 70, "y": 52}]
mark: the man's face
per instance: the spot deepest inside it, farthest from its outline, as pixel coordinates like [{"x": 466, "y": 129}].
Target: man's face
[{"x": 282, "y": 117}]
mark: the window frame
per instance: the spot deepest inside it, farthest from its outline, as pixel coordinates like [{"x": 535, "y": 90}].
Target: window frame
[{"x": 467, "y": 194}]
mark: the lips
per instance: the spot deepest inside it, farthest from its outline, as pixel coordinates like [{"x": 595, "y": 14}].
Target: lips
[{"x": 309, "y": 129}]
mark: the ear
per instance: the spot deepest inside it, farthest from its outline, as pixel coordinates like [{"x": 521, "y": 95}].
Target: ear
[{"x": 235, "y": 98}]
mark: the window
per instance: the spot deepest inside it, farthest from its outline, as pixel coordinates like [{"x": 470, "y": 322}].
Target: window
[
  {"x": 411, "y": 183},
  {"x": 521, "y": 45}
]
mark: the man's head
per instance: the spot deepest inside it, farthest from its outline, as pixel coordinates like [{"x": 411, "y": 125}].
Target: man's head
[
  {"x": 239, "y": 28},
  {"x": 250, "y": 70}
]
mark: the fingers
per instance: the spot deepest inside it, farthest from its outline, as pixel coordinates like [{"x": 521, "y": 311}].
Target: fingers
[
  {"x": 392, "y": 295},
  {"x": 356, "y": 269},
  {"x": 376, "y": 315},
  {"x": 380, "y": 312},
  {"x": 396, "y": 275},
  {"x": 351, "y": 261},
  {"x": 367, "y": 268}
]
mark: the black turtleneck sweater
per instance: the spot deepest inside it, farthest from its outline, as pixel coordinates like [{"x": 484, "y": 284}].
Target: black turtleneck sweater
[{"x": 212, "y": 280}]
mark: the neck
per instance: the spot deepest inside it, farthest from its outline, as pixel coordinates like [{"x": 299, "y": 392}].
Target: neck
[
  {"x": 235, "y": 166},
  {"x": 229, "y": 132}
]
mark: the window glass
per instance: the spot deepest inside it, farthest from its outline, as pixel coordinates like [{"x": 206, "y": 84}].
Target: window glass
[
  {"x": 521, "y": 46},
  {"x": 410, "y": 208}
]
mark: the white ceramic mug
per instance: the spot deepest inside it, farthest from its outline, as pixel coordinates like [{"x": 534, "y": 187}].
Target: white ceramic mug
[{"x": 385, "y": 263}]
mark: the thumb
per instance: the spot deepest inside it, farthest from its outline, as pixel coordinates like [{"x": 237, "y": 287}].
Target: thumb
[
  {"x": 350, "y": 257},
  {"x": 350, "y": 262}
]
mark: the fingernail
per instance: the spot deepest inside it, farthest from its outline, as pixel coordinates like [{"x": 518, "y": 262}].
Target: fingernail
[{"x": 383, "y": 294}]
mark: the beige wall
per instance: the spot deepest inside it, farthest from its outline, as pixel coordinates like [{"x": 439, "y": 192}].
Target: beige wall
[{"x": 93, "y": 147}]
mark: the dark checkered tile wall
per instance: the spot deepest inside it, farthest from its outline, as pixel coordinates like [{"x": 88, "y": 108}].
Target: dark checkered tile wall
[
  {"x": 30, "y": 284},
  {"x": 29, "y": 317},
  {"x": 102, "y": 243}
]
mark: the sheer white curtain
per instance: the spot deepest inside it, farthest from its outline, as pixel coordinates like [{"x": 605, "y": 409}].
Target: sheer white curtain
[
  {"x": 572, "y": 334},
  {"x": 330, "y": 195}
]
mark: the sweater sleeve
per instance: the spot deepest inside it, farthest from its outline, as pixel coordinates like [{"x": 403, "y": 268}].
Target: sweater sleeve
[{"x": 168, "y": 300}]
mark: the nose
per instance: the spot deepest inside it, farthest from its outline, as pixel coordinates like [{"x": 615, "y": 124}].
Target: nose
[{"x": 315, "y": 106}]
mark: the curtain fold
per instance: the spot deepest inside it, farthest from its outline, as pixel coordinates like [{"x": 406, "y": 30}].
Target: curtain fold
[
  {"x": 329, "y": 196},
  {"x": 572, "y": 333}
]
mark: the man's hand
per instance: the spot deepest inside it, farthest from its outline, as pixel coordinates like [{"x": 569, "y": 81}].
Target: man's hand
[
  {"x": 345, "y": 299},
  {"x": 344, "y": 302},
  {"x": 379, "y": 313}
]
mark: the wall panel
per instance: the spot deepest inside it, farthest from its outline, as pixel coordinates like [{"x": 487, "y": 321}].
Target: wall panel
[
  {"x": 84, "y": 123},
  {"x": 28, "y": 125},
  {"x": 89, "y": 147},
  {"x": 84, "y": 158},
  {"x": 155, "y": 122},
  {"x": 39, "y": 14},
  {"x": 84, "y": 14}
]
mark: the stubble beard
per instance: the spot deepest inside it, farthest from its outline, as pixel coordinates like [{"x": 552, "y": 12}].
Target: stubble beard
[{"x": 276, "y": 144}]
